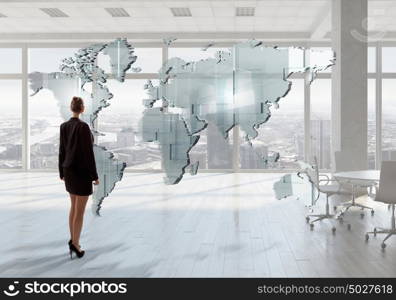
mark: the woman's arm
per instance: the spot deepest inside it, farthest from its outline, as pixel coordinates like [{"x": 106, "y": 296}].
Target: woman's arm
[
  {"x": 61, "y": 156},
  {"x": 87, "y": 142}
]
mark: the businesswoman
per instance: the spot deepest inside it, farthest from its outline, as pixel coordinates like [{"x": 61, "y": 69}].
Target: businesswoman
[{"x": 77, "y": 169}]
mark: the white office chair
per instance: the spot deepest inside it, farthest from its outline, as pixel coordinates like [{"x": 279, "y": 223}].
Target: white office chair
[
  {"x": 329, "y": 188},
  {"x": 386, "y": 193}
]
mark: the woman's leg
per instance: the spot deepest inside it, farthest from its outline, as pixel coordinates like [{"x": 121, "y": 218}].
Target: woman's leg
[
  {"x": 71, "y": 213},
  {"x": 81, "y": 202}
]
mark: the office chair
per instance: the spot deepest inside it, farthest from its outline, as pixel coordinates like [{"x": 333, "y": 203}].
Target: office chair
[
  {"x": 328, "y": 189},
  {"x": 386, "y": 193}
]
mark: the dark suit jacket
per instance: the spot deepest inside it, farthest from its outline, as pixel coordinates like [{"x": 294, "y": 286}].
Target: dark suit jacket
[{"x": 76, "y": 148}]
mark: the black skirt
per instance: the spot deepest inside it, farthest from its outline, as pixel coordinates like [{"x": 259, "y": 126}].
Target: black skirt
[{"x": 77, "y": 182}]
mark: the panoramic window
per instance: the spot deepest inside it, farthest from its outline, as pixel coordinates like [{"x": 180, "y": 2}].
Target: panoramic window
[
  {"x": 10, "y": 60},
  {"x": 283, "y": 133},
  {"x": 319, "y": 56},
  {"x": 149, "y": 60},
  {"x": 194, "y": 54},
  {"x": 212, "y": 151},
  {"x": 44, "y": 115},
  {"x": 44, "y": 111},
  {"x": 388, "y": 60},
  {"x": 321, "y": 122},
  {"x": 371, "y": 126},
  {"x": 120, "y": 124},
  {"x": 388, "y": 119},
  {"x": 48, "y": 59},
  {"x": 371, "y": 63}
]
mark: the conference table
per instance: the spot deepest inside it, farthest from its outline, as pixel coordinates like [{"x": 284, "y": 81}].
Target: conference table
[
  {"x": 361, "y": 178},
  {"x": 362, "y": 175}
]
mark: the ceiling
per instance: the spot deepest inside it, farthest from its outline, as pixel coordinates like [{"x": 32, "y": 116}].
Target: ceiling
[{"x": 216, "y": 19}]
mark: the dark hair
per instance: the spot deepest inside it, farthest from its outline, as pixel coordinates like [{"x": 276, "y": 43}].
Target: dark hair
[{"x": 76, "y": 104}]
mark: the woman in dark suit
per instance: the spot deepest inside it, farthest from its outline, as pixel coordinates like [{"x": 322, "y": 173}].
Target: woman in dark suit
[{"x": 77, "y": 169}]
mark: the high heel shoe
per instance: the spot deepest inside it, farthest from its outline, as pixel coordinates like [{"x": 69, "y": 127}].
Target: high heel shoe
[
  {"x": 70, "y": 242},
  {"x": 74, "y": 249}
]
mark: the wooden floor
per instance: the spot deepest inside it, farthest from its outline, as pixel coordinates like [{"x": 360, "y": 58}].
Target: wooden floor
[{"x": 209, "y": 225}]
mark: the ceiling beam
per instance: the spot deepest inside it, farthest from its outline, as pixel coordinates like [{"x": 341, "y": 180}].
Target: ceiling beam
[
  {"x": 155, "y": 35},
  {"x": 219, "y": 36},
  {"x": 320, "y": 27}
]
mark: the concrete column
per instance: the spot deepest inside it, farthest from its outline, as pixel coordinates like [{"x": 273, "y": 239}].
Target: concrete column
[{"x": 349, "y": 85}]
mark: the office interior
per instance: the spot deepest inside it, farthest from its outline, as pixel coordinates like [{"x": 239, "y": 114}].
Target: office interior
[{"x": 338, "y": 132}]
